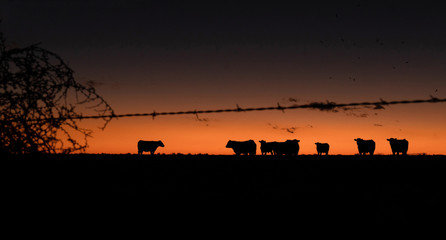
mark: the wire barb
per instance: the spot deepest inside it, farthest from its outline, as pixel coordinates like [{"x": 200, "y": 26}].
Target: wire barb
[
  {"x": 239, "y": 109},
  {"x": 280, "y": 108}
]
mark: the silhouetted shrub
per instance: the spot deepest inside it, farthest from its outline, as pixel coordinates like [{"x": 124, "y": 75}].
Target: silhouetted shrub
[{"x": 40, "y": 101}]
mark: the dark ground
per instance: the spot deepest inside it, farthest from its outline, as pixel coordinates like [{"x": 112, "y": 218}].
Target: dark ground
[{"x": 385, "y": 189}]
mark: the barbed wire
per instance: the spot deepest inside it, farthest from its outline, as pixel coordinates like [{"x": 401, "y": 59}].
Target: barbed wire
[{"x": 323, "y": 106}]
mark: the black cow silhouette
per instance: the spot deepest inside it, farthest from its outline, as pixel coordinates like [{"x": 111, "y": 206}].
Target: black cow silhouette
[
  {"x": 149, "y": 146},
  {"x": 243, "y": 147},
  {"x": 322, "y": 148},
  {"x": 289, "y": 147},
  {"x": 365, "y": 146},
  {"x": 398, "y": 146},
  {"x": 267, "y": 147}
]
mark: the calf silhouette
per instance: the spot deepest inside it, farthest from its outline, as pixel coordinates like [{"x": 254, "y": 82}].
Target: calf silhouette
[
  {"x": 365, "y": 146},
  {"x": 267, "y": 147},
  {"x": 322, "y": 148},
  {"x": 242, "y": 147},
  {"x": 398, "y": 146},
  {"x": 149, "y": 146}
]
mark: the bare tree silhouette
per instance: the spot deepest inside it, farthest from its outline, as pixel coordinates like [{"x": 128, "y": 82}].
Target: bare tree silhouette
[{"x": 40, "y": 101}]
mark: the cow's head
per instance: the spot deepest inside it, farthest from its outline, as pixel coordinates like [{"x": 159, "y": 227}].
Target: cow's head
[
  {"x": 262, "y": 141},
  {"x": 230, "y": 144},
  {"x": 359, "y": 139},
  {"x": 161, "y": 144},
  {"x": 317, "y": 143},
  {"x": 391, "y": 139}
]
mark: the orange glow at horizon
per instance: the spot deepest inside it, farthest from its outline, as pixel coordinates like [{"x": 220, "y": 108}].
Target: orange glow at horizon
[{"x": 424, "y": 130}]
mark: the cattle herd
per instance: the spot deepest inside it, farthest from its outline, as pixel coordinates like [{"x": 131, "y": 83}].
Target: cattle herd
[{"x": 289, "y": 147}]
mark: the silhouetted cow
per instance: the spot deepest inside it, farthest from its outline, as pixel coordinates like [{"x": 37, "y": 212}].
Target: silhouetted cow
[
  {"x": 267, "y": 147},
  {"x": 398, "y": 146},
  {"x": 322, "y": 148},
  {"x": 149, "y": 146},
  {"x": 246, "y": 147},
  {"x": 365, "y": 146},
  {"x": 289, "y": 147}
]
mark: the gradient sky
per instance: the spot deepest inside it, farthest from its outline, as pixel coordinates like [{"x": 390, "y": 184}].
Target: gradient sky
[{"x": 174, "y": 56}]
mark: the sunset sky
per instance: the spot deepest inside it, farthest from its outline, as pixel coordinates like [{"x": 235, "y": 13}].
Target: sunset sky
[{"x": 176, "y": 56}]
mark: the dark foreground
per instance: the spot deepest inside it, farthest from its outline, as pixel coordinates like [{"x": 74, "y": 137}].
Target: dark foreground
[{"x": 383, "y": 188}]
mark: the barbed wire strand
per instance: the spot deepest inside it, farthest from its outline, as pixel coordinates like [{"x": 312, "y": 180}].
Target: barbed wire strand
[{"x": 323, "y": 106}]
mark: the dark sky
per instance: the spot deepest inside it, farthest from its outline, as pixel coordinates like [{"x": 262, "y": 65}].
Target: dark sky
[
  {"x": 131, "y": 35},
  {"x": 177, "y": 55},
  {"x": 181, "y": 24}
]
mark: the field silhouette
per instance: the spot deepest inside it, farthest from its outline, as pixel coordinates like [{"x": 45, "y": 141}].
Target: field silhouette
[{"x": 384, "y": 188}]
